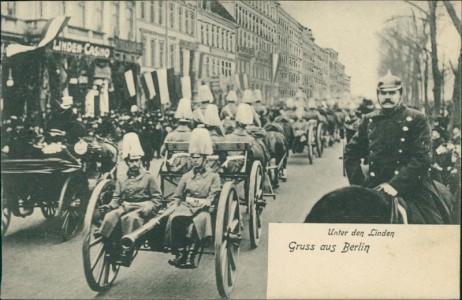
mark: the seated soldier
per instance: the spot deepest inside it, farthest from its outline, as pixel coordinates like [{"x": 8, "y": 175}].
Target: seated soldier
[
  {"x": 300, "y": 127},
  {"x": 137, "y": 196},
  {"x": 179, "y": 162},
  {"x": 228, "y": 112},
  {"x": 239, "y": 135},
  {"x": 216, "y": 131},
  {"x": 190, "y": 223}
]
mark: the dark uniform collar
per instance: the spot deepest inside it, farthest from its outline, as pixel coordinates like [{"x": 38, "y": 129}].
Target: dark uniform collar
[
  {"x": 136, "y": 174},
  {"x": 202, "y": 171}
]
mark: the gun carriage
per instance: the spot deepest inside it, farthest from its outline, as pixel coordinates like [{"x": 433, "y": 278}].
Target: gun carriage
[{"x": 101, "y": 256}]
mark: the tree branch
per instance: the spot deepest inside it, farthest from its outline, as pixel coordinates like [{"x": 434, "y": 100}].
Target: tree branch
[{"x": 452, "y": 13}]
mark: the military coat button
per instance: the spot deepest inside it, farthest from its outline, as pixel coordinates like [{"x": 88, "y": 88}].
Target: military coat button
[
  {"x": 396, "y": 172},
  {"x": 372, "y": 174},
  {"x": 405, "y": 128},
  {"x": 409, "y": 118}
]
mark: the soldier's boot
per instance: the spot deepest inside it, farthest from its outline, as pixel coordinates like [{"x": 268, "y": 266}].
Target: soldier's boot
[
  {"x": 190, "y": 259},
  {"x": 180, "y": 258}
]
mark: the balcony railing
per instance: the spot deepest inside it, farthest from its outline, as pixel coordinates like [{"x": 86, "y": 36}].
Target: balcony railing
[{"x": 245, "y": 50}]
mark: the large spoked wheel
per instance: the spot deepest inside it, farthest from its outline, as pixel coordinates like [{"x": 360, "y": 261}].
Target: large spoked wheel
[
  {"x": 255, "y": 194},
  {"x": 228, "y": 236},
  {"x": 319, "y": 139},
  {"x": 6, "y": 213},
  {"x": 49, "y": 209},
  {"x": 72, "y": 204},
  {"x": 100, "y": 271}
]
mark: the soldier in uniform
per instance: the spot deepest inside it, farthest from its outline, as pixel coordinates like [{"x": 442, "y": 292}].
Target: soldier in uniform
[
  {"x": 137, "y": 196},
  {"x": 397, "y": 142},
  {"x": 248, "y": 98},
  {"x": 190, "y": 223},
  {"x": 204, "y": 97},
  {"x": 180, "y": 162},
  {"x": 228, "y": 112},
  {"x": 65, "y": 120}
]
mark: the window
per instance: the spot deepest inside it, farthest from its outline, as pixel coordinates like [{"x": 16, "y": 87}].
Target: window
[
  {"x": 130, "y": 20},
  {"x": 207, "y": 39},
  {"x": 153, "y": 53},
  {"x": 172, "y": 15},
  {"x": 207, "y": 66},
  {"x": 153, "y": 12},
  {"x": 172, "y": 56},
  {"x": 161, "y": 53},
  {"x": 202, "y": 34},
  {"x": 180, "y": 18},
  {"x": 186, "y": 14},
  {"x": 80, "y": 15},
  {"x": 40, "y": 9},
  {"x": 161, "y": 12},
  {"x": 9, "y": 8},
  {"x": 222, "y": 39},
  {"x": 213, "y": 35},
  {"x": 193, "y": 22},
  {"x": 143, "y": 10},
  {"x": 145, "y": 47},
  {"x": 99, "y": 15},
  {"x": 115, "y": 10}
]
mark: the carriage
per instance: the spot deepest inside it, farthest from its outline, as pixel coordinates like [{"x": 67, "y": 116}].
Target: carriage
[
  {"x": 311, "y": 138},
  {"x": 58, "y": 183},
  {"x": 100, "y": 265}
]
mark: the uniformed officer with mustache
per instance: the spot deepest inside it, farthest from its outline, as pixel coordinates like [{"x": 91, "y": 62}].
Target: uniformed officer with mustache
[{"x": 396, "y": 140}]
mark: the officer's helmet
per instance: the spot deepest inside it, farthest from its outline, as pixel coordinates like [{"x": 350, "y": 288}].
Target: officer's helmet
[{"x": 389, "y": 82}]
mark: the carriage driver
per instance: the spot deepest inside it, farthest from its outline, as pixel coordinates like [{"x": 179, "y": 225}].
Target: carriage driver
[
  {"x": 397, "y": 142},
  {"x": 190, "y": 223},
  {"x": 137, "y": 195}
]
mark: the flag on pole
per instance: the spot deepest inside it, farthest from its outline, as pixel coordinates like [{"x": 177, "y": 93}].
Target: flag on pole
[
  {"x": 163, "y": 86},
  {"x": 186, "y": 87},
  {"x": 130, "y": 82},
  {"x": 50, "y": 32},
  {"x": 149, "y": 83},
  {"x": 275, "y": 66}
]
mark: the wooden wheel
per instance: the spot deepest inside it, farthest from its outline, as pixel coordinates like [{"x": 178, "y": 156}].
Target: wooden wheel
[
  {"x": 227, "y": 239},
  {"x": 319, "y": 139},
  {"x": 49, "y": 209},
  {"x": 255, "y": 194},
  {"x": 72, "y": 202},
  {"x": 6, "y": 213},
  {"x": 100, "y": 271}
]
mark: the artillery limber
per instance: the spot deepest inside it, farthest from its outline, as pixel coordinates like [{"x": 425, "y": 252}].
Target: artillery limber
[{"x": 101, "y": 256}]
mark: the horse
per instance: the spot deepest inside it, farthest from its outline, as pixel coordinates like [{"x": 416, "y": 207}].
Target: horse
[
  {"x": 357, "y": 204},
  {"x": 278, "y": 148}
]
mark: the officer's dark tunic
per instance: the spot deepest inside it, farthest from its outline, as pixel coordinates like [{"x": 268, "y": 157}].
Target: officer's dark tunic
[{"x": 398, "y": 146}]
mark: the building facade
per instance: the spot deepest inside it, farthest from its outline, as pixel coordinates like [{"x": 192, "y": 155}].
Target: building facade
[
  {"x": 92, "y": 53},
  {"x": 211, "y": 41}
]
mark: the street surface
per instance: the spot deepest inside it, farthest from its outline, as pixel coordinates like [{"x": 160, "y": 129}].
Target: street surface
[{"x": 36, "y": 264}]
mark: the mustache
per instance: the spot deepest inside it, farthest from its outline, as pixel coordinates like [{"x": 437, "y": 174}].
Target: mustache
[{"x": 388, "y": 101}]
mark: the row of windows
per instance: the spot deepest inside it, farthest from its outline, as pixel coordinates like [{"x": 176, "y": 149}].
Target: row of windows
[
  {"x": 215, "y": 66},
  {"x": 179, "y": 18},
  {"x": 264, "y": 6},
  {"x": 254, "y": 23},
  {"x": 290, "y": 77},
  {"x": 216, "y": 36},
  {"x": 249, "y": 40},
  {"x": 84, "y": 14}
]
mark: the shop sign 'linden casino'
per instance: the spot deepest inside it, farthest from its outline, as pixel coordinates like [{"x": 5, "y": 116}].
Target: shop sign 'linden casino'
[{"x": 81, "y": 48}]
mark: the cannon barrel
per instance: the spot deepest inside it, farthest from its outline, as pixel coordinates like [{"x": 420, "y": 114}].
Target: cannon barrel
[{"x": 129, "y": 241}]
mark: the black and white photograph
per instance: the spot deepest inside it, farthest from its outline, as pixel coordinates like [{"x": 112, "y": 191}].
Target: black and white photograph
[{"x": 208, "y": 149}]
